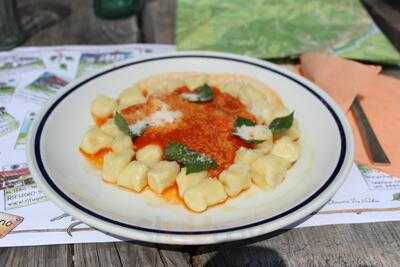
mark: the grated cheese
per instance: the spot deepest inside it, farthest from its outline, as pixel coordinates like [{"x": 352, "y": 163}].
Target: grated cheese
[
  {"x": 191, "y": 97},
  {"x": 257, "y": 132},
  {"x": 160, "y": 117}
]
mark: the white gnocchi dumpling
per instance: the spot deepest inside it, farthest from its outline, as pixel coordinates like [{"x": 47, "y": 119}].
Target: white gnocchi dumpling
[
  {"x": 281, "y": 112},
  {"x": 263, "y": 111},
  {"x": 265, "y": 146},
  {"x": 248, "y": 94},
  {"x": 113, "y": 164},
  {"x": 236, "y": 178},
  {"x": 149, "y": 154},
  {"x": 293, "y": 133},
  {"x": 94, "y": 140},
  {"x": 286, "y": 148},
  {"x": 231, "y": 87},
  {"x": 130, "y": 96},
  {"x": 134, "y": 176},
  {"x": 186, "y": 181},
  {"x": 110, "y": 128},
  {"x": 162, "y": 175},
  {"x": 247, "y": 156},
  {"x": 103, "y": 106},
  {"x": 161, "y": 86},
  {"x": 207, "y": 193},
  {"x": 194, "y": 81},
  {"x": 122, "y": 144},
  {"x": 269, "y": 170}
]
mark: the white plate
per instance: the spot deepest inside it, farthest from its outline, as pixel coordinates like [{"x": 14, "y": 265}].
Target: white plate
[{"x": 66, "y": 179}]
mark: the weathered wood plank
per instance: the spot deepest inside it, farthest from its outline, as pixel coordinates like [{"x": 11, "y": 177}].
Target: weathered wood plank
[
  {"x": 158, "y": 21},
  {"x": 373, "y": 244},
  {"x": 127, "y": 254},
  {"x": 100, "y": 254},
  {"x": 177, "y": 256},
  {"x": 132, "y": 254},
  {"x": 56, "y": 255},
  {"x": 80, "y": 27}
]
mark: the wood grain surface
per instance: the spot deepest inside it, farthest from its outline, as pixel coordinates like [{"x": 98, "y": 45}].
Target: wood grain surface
[
  {"x": 77, "y": 24},
  {"x": 372, "y": 244}
]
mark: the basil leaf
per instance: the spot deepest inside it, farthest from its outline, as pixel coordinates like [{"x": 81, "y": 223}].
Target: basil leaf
[
  {"x": 193, "y": 168},
  {"x": 254, "y": 142},
  {"x": 240, "y": 121},
  {"x": 281, "y": 124},
  {"x": 201, "y": 94},
  {"x": 192, "y": 160},
  {"x": 121, "y": 123}
]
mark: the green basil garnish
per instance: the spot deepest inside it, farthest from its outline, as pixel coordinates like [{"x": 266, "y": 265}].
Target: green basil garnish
[
  {"x": 240, "y": 121},
  {"x": 281, "y": 124},
  {"x": 192, "y": 160},
  {"x": 201, "y": 94},
  {"x": 121, "y": 123}
]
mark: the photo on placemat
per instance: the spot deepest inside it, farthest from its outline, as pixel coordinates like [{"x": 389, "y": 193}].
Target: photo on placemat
[
  {"x": 7, "y": 122},
  {"x": 8, "y": 84},
  {"x": 14, "y": 64},
  {"x": 23, "y": 131},
  {"x": 62, "y": 62},
  {"x": 19, "y": 187},
  {"x": 42, "y": 89},
  {"x": 96, "y": 60}
]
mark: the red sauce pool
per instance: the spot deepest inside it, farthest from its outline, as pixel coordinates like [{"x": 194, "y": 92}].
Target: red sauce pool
[{"x": 204, "y": 127}]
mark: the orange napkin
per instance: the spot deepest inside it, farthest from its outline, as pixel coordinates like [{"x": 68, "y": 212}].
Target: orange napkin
[{"x": 380, "y": 98}]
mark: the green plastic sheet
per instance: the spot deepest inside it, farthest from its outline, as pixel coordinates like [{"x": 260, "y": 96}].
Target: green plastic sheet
[{"x": 282, "y": 28}]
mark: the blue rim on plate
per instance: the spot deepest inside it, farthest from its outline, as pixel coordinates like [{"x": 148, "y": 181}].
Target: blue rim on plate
[{"x": 49, "y": 181}]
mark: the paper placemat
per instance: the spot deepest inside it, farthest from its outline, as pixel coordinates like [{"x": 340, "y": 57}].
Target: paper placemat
[{"x": 29, "y": 77}]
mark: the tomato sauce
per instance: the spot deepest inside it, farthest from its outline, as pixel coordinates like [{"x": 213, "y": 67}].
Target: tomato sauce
[
  {"x": 101, "y": 121},
  {"x": 96, "y": 159},
  {"x": 204, "y": 127}
]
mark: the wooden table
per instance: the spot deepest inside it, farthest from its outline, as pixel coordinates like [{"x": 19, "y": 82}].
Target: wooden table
[{"x": 372, "y": 244}]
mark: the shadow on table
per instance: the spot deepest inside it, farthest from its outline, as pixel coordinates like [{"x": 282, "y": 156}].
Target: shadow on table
[
  {"x": 234, "y": 253},
  {"x": 246, "y": 256}
]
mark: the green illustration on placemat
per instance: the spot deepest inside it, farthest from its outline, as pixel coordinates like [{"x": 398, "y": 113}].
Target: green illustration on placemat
[
  {"x": 280, "y": 29},
  {"x": 47, "y": 84},
  {"x": 21, "y": 63},
  {"x": 91, "y": 62},
  {"x": 396, "y": 197},
  {"x": 23, "y": 132},
  {"x": 7, "y": 122},
  {"x": 6, "y": 89}
]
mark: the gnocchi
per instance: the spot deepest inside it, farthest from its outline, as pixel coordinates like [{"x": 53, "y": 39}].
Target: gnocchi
[
  {"x": 103, "y": 106},
  {"x": 269, "y": 170},
  {"x": 149, "y": 154},
  {"x": 134, "y": 176},
  {"x": 194, "y": 81},
  {"x": 130, "y": 96},
  {"x": 113, "y": 165},
  {"x": 185, "y": 181},
  {"x": 94, "y": 140},
  {"x": 236, "y": 178},
  {"x": 110, "y": 128},
  {"x": 122, "y": 144},
  {"x": 201, "y": 149},
  {"x": 247, "y": 156},
  {"x": 162, "y": 175},
  {"x": 286, "y": 148},
  {"x": 207, "y": 193}
]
